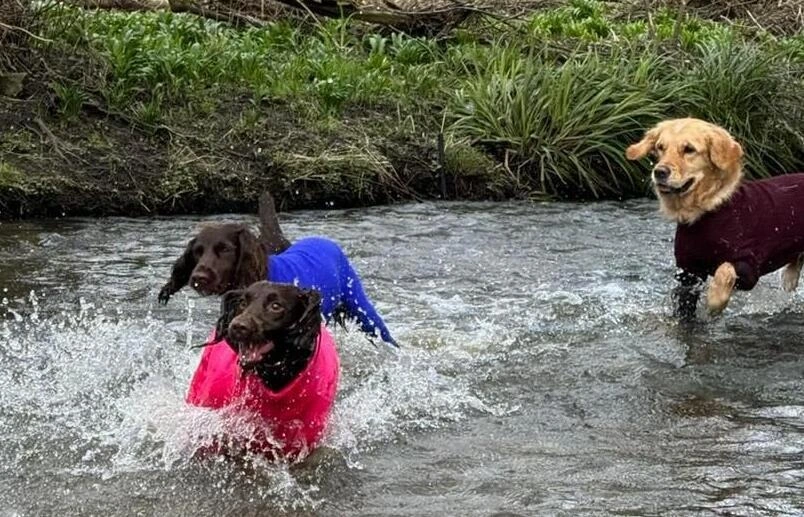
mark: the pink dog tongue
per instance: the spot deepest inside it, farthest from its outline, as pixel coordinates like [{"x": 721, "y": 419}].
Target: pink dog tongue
[{"x": 255, "y": 354}]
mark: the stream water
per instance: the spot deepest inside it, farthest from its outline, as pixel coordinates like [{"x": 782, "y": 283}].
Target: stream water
[{"x": 542, "y": 373}]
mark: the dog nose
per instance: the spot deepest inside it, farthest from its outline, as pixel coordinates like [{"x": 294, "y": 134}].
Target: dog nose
[
  {"x": 200, "y": 279},
  {"x": 238, "y": 330},
  {"x": 661, "y": 173}
]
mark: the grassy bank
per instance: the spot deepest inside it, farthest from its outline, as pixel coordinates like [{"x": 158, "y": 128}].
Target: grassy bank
[{"x": 161, "y": 113}]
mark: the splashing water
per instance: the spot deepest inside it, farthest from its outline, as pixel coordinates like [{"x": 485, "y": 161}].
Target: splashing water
[{"x": 90, "y": 393}]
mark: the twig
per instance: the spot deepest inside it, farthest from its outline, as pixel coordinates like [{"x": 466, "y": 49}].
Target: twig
[
  {"x": 227, "y": 16},
  {"x": 753, "y": 19},
  {"x": 50, "y": 136},
  {"x": 34, "y": 36},
  {"x": 442, "y": 166}
]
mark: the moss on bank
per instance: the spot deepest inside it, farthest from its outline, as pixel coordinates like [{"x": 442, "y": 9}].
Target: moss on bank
[{"x": 163, "y": 113}]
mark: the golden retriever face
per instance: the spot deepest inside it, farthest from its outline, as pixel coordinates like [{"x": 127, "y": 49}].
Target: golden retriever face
[{"x": 698, "y": 166}]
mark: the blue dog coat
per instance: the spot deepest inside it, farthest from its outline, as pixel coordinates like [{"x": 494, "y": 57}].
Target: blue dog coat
[{"x": 319, "y": 263}]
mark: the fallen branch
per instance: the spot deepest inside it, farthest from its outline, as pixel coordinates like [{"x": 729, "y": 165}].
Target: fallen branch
[
  {"x": 27, "y": 33},
  {"x": 124, "y": 5},
  {"x": 439, "y": 13},
  {"x": 50, "y": 136},
  {"x": 224, "y": 15},
  {"x": 394, "y": 14}
]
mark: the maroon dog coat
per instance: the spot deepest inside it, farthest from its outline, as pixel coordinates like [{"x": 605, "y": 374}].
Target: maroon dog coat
[{"x": 759, "y": 230}]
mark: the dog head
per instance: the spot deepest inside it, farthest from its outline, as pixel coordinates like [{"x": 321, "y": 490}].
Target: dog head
[
  {"x": 698, "y": 166},
  {"x": 219, "y": 258},
  {"x": 270, "y": 325}
]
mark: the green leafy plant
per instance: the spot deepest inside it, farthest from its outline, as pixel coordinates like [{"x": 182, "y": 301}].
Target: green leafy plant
[
  {"x": 71, "y": 99},
  {"x": 565, "y": 124},
  {"x": 754, "y": 93}
]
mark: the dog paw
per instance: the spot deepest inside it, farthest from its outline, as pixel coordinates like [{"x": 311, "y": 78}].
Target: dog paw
[
  {"x": 720, "y": 289},
  {"x": 790, "y": 277},
  {"x": 164, "y": 294},
  {"x": 716, "y": 304}
]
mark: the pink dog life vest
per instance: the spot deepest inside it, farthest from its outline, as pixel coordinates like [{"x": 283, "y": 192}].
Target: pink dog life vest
[{"x": 295, "y": 417}]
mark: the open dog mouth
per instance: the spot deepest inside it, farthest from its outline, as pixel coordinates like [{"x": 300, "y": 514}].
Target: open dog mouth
[
  {"x": 664, "y": 188},
  {"x": 251, "y": 355}
]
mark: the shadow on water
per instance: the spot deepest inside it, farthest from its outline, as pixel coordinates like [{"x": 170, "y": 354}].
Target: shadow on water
[{"x": 541, "y": 373}]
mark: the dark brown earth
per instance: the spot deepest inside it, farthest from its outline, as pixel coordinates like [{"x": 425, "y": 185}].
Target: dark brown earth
[{"x": 103, "y": 163}]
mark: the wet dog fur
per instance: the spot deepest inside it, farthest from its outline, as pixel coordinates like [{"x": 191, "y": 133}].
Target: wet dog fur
[
  {"x": 698, "y": 166},
  {"x": 272, "y": 328},
  {"x": 224, "y": 256}
]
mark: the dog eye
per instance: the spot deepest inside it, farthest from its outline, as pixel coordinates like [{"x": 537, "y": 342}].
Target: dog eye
[
  {"x": 688, "y": 149},
  {"x": 198, "y": 251},
  {"x": 276, "y": 306},
  {"x": 659, "y": 147},
  {"x": 242, "y": 304}
]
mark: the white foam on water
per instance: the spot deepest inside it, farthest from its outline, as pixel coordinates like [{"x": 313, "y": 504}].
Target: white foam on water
[{"x": 110, "y": 390}]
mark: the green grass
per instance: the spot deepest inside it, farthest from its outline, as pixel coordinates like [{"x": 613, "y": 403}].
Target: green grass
[
  {"x": 155, "y": 59},
  {"x": 752, "y": 91},
  {"x": 549, "y": 104},
  {"x": 564, "y": 125},
  {"x": 564, "y": 133}
]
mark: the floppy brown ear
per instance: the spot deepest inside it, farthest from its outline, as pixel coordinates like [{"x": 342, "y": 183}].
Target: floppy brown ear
[
  {"x": 311, "y": 317},
  {"x": 312, "y": 300},
  {"x": 251, "y": 260},
  {"x": 643, "y": 147},
  {"x": 180, "y": 274},
  {"x": 230, "y": 307},
  {"x": 724, "y": 152}
]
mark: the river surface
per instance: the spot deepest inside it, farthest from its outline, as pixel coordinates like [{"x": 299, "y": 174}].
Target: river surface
[{"x": 541, "y": 374}]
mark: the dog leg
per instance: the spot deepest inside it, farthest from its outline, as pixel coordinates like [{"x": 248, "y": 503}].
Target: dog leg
[
  {"x": 791, "y": 273},
  {"x": 686, "y": 295},
  {"x": 720, "y": 288}
]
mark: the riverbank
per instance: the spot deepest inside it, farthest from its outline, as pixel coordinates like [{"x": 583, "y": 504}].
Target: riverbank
[{"x": 160, "y": 113}]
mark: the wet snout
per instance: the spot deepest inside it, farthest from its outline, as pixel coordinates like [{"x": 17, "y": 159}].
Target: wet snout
[
  {"x": 250, "y": 349},
  {"x": 203, "y": 279},
  {"x": 669, "y": 180},
  {"x": 241, "y": 329},
  {"x": 661, "y": 173}
]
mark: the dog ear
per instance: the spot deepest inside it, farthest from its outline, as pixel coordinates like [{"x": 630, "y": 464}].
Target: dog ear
[
  {"x": 251, "y": 260},
  {"x": 724, "y": 152},
  {"x": 312, "y": 298},
  {"x": 180, "y": 274},
  {"x": 311, "y": 301},
  {"x": 307, "y": 327},
  {"x": 230, "y": 307},
  {"x": 641, "y": 149}
]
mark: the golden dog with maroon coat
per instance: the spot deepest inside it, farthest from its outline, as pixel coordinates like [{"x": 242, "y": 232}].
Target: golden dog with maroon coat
[{"x": 731, "y": 230}]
